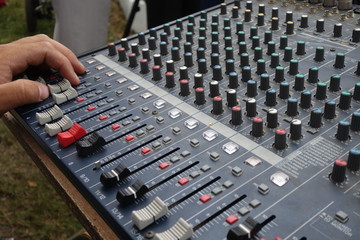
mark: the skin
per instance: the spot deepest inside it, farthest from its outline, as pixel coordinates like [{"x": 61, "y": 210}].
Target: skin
[{"x": 39, "y": 50}]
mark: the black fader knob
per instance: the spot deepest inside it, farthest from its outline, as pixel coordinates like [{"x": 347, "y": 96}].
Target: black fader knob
[
  {"x": 280, "y": 139},
  {"x": 130, "y": 194},
  {"x": 114, "y": 176},
  {"x": 353, "y": 161},
  {"x": 338, "y": 174},
  {"x": 343, "y": 129},
  {"x": 236, "y": 115},
  {"x": 89, "y": 145}
]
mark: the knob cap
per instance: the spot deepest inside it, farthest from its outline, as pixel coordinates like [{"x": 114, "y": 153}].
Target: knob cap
[
  {"x": 339, "y": 170},
  {"x": 217, "y": 105},
  {"x": 342, "y": 133},
  {"x": 295, "y": 130},
  {"x": 353, "y": 162},
  {"x": 236, "y": 115},
  {"x": 257, "y": 127},
  {"x": 280, "y": 139},
  {"x": 315, "y": 118}
]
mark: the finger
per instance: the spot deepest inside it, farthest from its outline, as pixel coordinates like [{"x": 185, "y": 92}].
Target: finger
[
  {"x": 34, "y": 54},
  {"x": 78, "y": 67},
  {"x": 21, "y": 92}
]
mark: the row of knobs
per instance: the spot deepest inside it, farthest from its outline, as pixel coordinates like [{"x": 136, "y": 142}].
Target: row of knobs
[{"x": 338, "y": 174}]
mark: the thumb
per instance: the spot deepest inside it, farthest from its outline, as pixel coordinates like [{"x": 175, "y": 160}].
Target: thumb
[{"x": 21, "y": 92}]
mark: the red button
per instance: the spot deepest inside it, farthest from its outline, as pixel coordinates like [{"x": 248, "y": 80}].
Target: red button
[
  {"x": 231, "y": 219},
  {"x": 91, "y": 108},
  {"x": 183, "y": 181},
  {"x": 277, "y": 238},
  {"x": 80, "y": 99},
  {"x": 164, "y": 165},
  {"x": 129, "y": 138},
  {"x": 115, "y": 126},
  {"x": 204, "y": 198},
  {"x": 145, "y": 150},
  {"x": 103, "y": 117}
]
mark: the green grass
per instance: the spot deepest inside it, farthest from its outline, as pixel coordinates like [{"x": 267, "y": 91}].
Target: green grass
[{"x": 29, "y": 206}]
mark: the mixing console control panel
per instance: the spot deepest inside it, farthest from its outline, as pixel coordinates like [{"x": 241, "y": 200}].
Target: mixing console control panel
[{"x": 238, "y": 122}]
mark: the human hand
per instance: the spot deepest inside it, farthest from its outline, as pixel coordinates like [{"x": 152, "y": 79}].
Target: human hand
[{"x": 17, "y": 56}]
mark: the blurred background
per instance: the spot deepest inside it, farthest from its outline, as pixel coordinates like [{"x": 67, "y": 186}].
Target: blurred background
[{"x": 29, "y": 206}]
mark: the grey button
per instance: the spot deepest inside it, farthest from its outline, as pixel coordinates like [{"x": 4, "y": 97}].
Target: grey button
[
  {"x": 175, "y": 159},
  {"x": 214, "y": 156},
  {"x": 119, "y": 92},
  {"x": 176, "y": 130},
  {"x": 205, "y": 168},
  {"x": 121, "y": 109},
  {"x": 341, "y": 217},
  {"x": 166, "y": 140},
  {"x": 112, "y": 113},
  {"x": 243, "y": 211},
  {"x": 145, "y": 109},
  {"x": 263, "y": 189},
  {"x": 255, "y": 203},
  {"x": 101, "y": 104},
  {"x": 194, "y": 174},
  {"x": 140, "y": 133},
  {"x": 131, "y": 101},
  {"x": 136, "y": 118},
  {"x": 236, "y": 171},
  {"x": 160, "y": 119},
  {"x": 98, "y": 92},
  {"x": 156, "y": 145},
  {"x": 217, "y": 191},
  {"x": 150, "y": 128},
  {"x": 228, "y": 184},
  {"x": 125, "y": 123},
  {"x": 194, "y": 142},
  {"x": 185, "y": 153},
  {"x": 110, "y": 100}
]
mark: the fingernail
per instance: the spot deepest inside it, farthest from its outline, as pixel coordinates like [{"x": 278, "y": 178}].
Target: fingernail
[{"x": 43, "y": 92}]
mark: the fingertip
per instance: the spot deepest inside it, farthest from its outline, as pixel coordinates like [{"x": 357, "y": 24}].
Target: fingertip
[{"x": 43, "y": 92}]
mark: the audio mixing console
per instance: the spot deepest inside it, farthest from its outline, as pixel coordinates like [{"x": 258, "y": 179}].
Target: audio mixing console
[{"x": 238, "y": 122}]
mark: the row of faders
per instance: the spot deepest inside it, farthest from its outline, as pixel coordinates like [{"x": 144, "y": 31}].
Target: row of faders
[{"x": 238, "y": 122}]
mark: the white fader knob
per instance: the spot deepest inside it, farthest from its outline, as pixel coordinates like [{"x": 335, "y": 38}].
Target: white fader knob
[{"x": 49, "y": 115}]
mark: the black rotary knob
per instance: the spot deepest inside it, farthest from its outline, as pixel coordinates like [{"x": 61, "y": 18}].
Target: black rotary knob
[
  {"x": 144, "y": 66},
  {"x": 275, "y": 60},
  {"x": 217, "y": 105},
  {"x": 356, "y": 35},
  {"x": 260, "y": 19},
  {"x": 258, "y": 53},
  {"x": 279, "y": 74},
  {"x": 184, "y": 74},
  {"x": 335, "y": 83},
  {"x": 261, "y": 67},
  {"x": 272, "y": 118},
  {"x": 156, "y": 71},
  {"x": 200, "y": 53},
  {"x": 251, "y": 88},
  {"x": 288, "y": 54},
  {"x": 198, "y": 80},
  {"x": 170, "y": 80},
  {"x": 236, "y": 115},
  {"x": 340, "y": 60},
  {"x": 304, "y": 21},
  {"x": 320, "y": 25},
  {"x": 355, "y": 122},
  {"x": 283, "y": 41},
  {"x": 294, "y": 67},
  {"x": 135, "y": 49},
  {"x": 229, "y": 65},
  {"x": 242, "y": 49},
  {"x": 246, "y": 74},
  {"x": 271, "y": 48},
  {"x": 184, "y": 87},
  {"x": 257, "y": 127},
  {"x": 251, "y": 107},
  {"x": 321, "y": 91},
  {"x": 264, "y": 81},
  {"x": 337, "y": 32},
  {"x": 305, "y": 99},
  {"x": 132, "y": 60},
  {"x": 295, "y": 130},
  {"x": 270, "y": 98},
  {"x": 244, "y": 60},
  {"x": 329, "y": 109},
  {"x": 170, "y": 66},
  {"x": 338, "y": 174},
  {"x": 122, "y": 55},
  {"x": 299, "y": 82},
  {"x": 280, "y": 139},
  {"x": 175, "y": 54},
  {"x": 300, "y": 49},
  {"x": 353, "y": 162},
  {"x": 233, "y": 80},
  {"x": 141, "y": 38},
  {"x": 289, "y": 28},
  {"x": 231, "y": 98},
  {"x": 112, "y": 49},
  {"x": 214, "y": 59},
  {"x": 217, "y": 73},
  {"x": 345, "y": 100},
  {"x": 274, "y": 23},
  {"x": 356, "y": 95},
  {"x": 313, "y": 75},
  {"x": 319, "y": 54},
  {"x": 157, "y": 60},
  {"x": 199, "y": 96},
  {"x": 292, "y": 105},
  {"x": 214, "y": 89},
  {"x": 315, "y": 118},
  {"x": 284, "y": 90},
  {"x": 202, "y": 66},
  {"x": 267, "y": 36},
  {"x": 342, "y": 133}
]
